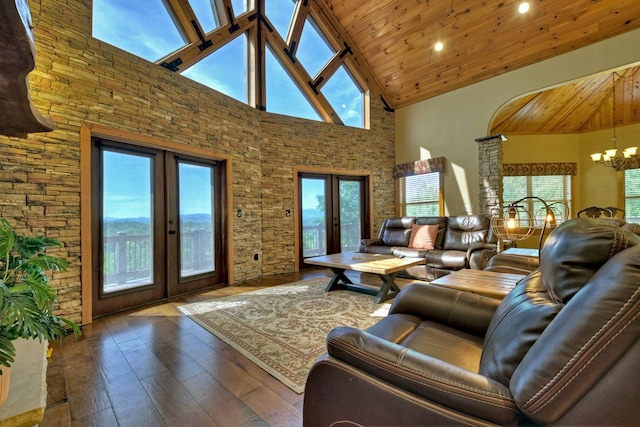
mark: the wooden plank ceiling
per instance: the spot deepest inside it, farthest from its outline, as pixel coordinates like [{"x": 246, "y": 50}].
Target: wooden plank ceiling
[
  {"x": 485, "y": 38},
  {"x": 584, "y": 105}
]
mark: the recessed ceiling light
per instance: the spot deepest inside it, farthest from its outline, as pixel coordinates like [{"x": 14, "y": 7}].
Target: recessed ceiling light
[
  {"x": 438, "y": 46},
  {"x": 524, "y": 7}
]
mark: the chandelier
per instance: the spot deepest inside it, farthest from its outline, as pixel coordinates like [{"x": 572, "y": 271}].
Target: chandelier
[{"x": 611, "y": 157}]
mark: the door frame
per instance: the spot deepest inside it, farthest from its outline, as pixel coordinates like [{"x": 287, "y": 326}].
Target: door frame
[
  {"x": 297, "y": 170},
  {"x": 89, "y": 130}
]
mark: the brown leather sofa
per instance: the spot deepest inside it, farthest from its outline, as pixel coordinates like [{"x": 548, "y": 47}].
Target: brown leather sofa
[
  {"x": 562, "y": 348},
  {"x": 462, "y": 241}
]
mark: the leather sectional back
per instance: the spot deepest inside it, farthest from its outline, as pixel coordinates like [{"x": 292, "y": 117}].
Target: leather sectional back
[
  {"x": 397, "y": 231},
  {"x": 464, "y": 231}
]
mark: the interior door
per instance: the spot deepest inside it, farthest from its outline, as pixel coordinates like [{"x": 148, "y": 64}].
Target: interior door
[
  {"x": 333, "y": 213},
  {"x": 157, "y": 224}
]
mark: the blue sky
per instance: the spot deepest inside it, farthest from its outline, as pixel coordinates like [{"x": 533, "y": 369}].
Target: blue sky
[
  {"x": 145, "y": 28},
  {"x": 127, "y": 186}
]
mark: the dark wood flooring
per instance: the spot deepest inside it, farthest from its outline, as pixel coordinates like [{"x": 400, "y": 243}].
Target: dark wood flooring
[{"x": 155, "y": 367}]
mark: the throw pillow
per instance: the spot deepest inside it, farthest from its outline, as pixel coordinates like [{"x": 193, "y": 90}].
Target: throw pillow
[{"x": 423, "y": 236}]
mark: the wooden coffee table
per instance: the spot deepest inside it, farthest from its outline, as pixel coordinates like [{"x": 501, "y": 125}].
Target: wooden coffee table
[
  {"x": 384, "y": 266},
  {"x": 487, "y": 283}
]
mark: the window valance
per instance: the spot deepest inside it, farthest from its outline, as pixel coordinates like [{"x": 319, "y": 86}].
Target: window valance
[
  {"x": 419, "y": 167},
  {"x": 538, "y": 169}
]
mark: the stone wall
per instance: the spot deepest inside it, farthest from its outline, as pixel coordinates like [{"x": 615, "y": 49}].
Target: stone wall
[
  {"x": 79, "y": 79},
  {"x": 490, "y": 159}
]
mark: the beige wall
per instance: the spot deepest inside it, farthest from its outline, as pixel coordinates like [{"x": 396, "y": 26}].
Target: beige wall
[
  {"x": 447, "y": 125},
  {"x": 80, "y": 81}
]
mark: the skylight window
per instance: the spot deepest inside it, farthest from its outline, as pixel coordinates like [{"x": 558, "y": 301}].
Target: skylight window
[
  {"x": 239, "y": 7},
  {"x": 314, "y": 51},
  {"x": 280, "y": 13},
  {"x": 346, "y": 98},
  {"x": 207, "y": 16},
  {"x": 225, "y": 70},
  {"x": 283, "y": 96},
  {"x": 145, "y": 29}
]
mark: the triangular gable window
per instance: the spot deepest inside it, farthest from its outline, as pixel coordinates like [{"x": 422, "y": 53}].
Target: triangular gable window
[
  {"x": 283, "y": 96},
  {"x": 206, "y": 13},
  {"x": 279, "y": 13},
  {"x": 239, "y": 7},
  {"x": 346, "y": 97},
  {"x": 219, "y": 43},
  {"x": 225, "y": 70},
  {"x": 314, "y": 51},
  {"x": 145, "y": 29}
]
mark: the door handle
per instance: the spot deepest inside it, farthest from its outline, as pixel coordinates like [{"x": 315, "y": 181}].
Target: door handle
[{"x": 172, "y": 231}]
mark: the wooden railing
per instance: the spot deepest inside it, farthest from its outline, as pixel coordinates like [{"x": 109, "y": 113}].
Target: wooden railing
[
  {"x": 314, "y": 239},
  {"x": 128, "y": 258}
]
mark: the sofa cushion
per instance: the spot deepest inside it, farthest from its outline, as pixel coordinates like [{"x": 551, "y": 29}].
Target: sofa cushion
[
  {"x": 446, "y": 259},
  {"x": 440, "y": 221},
  {"x": 423, "y": 236}
]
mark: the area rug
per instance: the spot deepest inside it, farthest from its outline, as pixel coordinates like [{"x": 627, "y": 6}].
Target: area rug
[{"x": 283, "y": 329}]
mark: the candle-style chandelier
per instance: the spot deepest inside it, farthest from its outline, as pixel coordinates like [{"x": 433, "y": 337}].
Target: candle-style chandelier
[{"x": 611, "y": 157}]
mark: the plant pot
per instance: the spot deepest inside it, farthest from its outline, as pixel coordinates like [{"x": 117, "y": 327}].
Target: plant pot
[{"x": 4, "y": 384}]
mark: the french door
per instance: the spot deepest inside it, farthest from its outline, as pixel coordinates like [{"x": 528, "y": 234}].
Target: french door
[
  {"x": 156, "y": 225},
  {"x": 333, "y": 213}
]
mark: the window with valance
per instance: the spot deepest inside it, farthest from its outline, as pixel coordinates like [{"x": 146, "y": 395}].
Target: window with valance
[{"x": 420, "y": 190}]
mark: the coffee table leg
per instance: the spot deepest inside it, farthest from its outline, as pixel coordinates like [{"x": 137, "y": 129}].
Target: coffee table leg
[
  {"x": 339, "y": 280},
  {"x": 389, "y": 289}
]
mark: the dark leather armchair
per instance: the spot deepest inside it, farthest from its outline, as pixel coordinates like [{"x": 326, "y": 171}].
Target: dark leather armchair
[{"x": 562, "y": 348}]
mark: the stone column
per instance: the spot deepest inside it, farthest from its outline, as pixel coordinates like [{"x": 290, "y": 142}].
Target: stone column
[{"x": 490, "y": 161}]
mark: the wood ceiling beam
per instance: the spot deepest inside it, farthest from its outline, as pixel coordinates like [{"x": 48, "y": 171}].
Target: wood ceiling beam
[
  {"x": 295, "y": 29},
  {"x": 185, "y": 16},
  {"x": 192, "y": 53}
]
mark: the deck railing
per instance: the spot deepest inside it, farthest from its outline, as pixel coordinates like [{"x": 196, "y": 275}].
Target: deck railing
[{"x": 128, "y": 257}]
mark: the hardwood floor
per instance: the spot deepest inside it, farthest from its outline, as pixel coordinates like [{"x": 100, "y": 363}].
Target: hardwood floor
[{"x": 155, "y": 367}]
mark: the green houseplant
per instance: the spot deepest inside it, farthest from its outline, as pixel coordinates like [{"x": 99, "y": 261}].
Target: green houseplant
[{"x": 26, "y": 297}]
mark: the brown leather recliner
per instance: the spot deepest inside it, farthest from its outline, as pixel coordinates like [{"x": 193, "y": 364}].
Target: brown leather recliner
[{"x": 562, "y": 348}]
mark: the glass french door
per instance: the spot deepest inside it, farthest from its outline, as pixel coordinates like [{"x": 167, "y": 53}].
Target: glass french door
[
  {"x": 333, "y": 213},
  {"x": 156, "y": 225}
]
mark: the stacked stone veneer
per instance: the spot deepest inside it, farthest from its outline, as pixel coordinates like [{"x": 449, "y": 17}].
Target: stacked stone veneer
[
  {"x": 490, "y": 160},
  {"x": 79, "y": 79}
]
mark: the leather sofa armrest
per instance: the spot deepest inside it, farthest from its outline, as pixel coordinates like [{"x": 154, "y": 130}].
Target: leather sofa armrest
[
  {"x": 371, "y": 242},
  {"x": 478, "y": 255},
  {"x": 427, "y": 377},
  {"x": 465, "y": 311}
]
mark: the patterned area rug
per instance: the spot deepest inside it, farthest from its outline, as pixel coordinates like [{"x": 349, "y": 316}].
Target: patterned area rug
[{"x": 283, "y": 328}]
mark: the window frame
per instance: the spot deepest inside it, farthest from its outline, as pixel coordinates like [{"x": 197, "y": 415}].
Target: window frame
[
  {"x": 568, "y": 189},
  {"x": 402, "y": 193},
  {"x": 627, "y": 197}
]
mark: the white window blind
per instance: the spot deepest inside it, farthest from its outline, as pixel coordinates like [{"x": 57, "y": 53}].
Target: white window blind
[
  {"x": 420, "y": 194},
  {"x": 555, "y": 190},
  {"x": 632, "y": 195}
]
